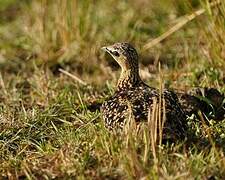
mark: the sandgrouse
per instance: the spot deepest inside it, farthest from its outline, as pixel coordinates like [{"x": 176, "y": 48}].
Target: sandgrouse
[{"x": 132, "y": 94}]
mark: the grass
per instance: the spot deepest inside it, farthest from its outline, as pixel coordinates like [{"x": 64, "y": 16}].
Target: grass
[{"x": 50, "y": 125}]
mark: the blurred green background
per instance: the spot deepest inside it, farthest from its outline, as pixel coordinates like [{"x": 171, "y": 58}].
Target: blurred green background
[
  {"x": 50, "y": 125},
  {"x": 69, "y": 34}
]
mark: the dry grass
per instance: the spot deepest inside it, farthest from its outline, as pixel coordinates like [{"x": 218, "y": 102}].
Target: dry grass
[{"x": 50, "y": 124}]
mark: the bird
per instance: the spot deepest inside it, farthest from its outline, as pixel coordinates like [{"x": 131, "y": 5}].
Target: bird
[
  {"x": 208, "y": 100},
  {"x": 135, "y": 96}
]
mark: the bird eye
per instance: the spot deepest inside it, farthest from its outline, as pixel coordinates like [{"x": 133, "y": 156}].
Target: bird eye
[{"x": 115, "y": 53}]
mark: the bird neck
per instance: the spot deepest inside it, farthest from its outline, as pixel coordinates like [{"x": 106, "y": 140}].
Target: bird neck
[{"x": 128, "y": 78}]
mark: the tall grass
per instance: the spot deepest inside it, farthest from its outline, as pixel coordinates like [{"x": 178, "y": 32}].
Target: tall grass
[{"x": 50, "y": 124}]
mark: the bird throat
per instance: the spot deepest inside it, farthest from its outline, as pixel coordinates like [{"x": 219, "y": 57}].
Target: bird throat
[{"x": 128, "y": 79}]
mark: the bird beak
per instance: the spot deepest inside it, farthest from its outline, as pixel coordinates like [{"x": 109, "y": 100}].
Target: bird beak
[{"x": 108, "y": 49}]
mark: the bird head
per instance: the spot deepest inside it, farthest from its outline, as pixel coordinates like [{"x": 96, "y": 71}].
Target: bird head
[{"x": 124, "y": 54}]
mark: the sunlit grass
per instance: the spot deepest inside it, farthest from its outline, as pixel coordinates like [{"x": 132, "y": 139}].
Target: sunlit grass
[{"x": 50, "y": 124}]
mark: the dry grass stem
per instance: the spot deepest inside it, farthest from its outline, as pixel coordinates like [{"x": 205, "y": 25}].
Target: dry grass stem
[
  {"x": 184, "y": 20},
  {"x": 2, "y": 84},
  {"x": 152, "y": 119},
  {"x": 73, "y": 76}
]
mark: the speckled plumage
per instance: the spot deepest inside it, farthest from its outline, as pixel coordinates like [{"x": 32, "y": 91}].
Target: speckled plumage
[
  {"x": 132, "y": 93},
  {"x": 207, "y": 100}
]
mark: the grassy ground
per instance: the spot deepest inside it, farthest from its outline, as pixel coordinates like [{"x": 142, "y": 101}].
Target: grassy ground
[{"x": 50, "y": 125}]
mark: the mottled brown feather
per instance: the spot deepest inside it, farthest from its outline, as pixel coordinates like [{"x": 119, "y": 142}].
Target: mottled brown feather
[{"x": 133, "y": 91}]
